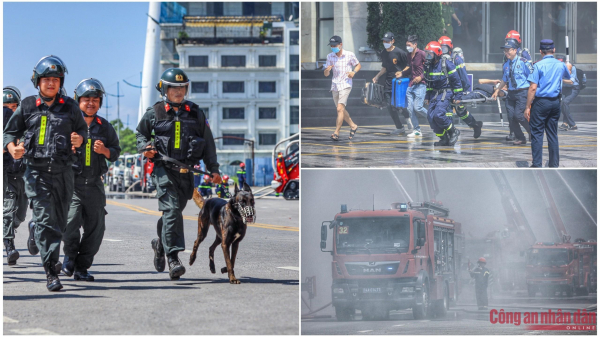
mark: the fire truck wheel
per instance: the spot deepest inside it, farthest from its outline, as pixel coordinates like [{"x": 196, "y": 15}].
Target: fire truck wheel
[
  {"x": 367, "y": 314},
  {"x": 586, "y": 290},
  {"x": 420, "y": 311},
  {"x": 343, "y": 314},
  {"x": 444, "y": 304},
  {"x": 548, "y": 292},
  {"x": 531, "y": 291}
]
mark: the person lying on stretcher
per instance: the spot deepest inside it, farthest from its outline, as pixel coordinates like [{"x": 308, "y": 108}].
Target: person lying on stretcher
[{"x": 483, "y": 90}]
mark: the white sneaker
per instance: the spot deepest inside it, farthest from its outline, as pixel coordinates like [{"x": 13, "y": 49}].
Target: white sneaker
[{"x": 414, "y": 134}]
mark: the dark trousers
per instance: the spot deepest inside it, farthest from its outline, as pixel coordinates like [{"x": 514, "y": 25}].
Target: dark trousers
[
  {"x": 481, "y": 295},
  {"x": 51, "y": 194},
  {"x": 173, "y": 190},
  {"x": 466, "y": 117},
  {"x": 15, "y": 204},
  {"x": 516, "y": 101},
  {"x": 569, "y": 96},
  {"x": 394, "y": 112},
  {"x": 87, "y": 211},
  {"x": 545, "y": 113},
  {"x": 439, "y": 120}
]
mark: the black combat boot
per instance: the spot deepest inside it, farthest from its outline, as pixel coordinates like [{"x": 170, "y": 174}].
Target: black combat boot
[
  {"x": 159, "y": 255},
  {"x": 510, "y": 137},
  {"x": 477, "y": 129},
  {"x": 12, "y": 255},
  {"x": 31, "y": 246},
  {"x": 83, "y": 275},
  {"x": 443, "y": 141},
  {"x": 453, "y": 136},
  {"x": 53, "y": 283},
  {"x": 176, "y": 269},
  {"x": 68, "y": 266}
]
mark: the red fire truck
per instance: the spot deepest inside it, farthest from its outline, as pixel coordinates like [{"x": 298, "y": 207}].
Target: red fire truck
[
  {"x": 286, "y": 167},
  {"x": 404, "y": 257}
]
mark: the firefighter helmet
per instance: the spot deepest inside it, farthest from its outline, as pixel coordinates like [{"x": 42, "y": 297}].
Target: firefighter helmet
[
  {"x": 90, "y": 87},
  {"x": 49, "y": 66},
  {"x": 446, "y": 44},
  {"x": 481, "y": 259},
  {"x": 172, "y": 77},
  {"x": 10, "y": 95},
  {"x": 206, "y": 177},
  {"x": 225, "y": 178},
  {"x": 242, "y": 165},
  {"x": 513, "y": 35},
  {"x": 433, "y": 48}
]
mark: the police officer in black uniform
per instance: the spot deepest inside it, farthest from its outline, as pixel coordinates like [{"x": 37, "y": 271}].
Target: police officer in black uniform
[
  {"x": 53, "y": 128},
  {"x": 87, "y": 207},
  {"x": 481, "y": 275},
  {"x": 181, "y": 132},
  {"x": 393, "y": 60},
  {"x": 15, "y": 200}
]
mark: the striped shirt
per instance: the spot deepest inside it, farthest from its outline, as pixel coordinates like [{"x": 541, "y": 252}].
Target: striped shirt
[{"x": 341, "y": 67}]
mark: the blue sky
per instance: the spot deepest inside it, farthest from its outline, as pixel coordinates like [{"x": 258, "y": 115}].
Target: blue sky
[{"x": 101, "y": 40}]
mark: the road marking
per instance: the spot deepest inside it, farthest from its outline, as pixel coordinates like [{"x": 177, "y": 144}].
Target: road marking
[
  {"x": 112, "y": 240},
  {"x": 366, "y": 331},
  {"x": 290, "y": 268},
  {"x": 398, "y": 325},
  {"x": 33, "y": 331},
  {"x": 187, "y": 251},
  {"x": 157, "y": 213},
  {"x": 9, "y": 320}
]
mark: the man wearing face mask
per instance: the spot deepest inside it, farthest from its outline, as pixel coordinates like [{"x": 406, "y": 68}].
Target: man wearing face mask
[
  {"x": 87, "y": 207},
  {"x": 180, "y": 131},
  {"x": 341, "y": 62},
  {"x": 415, "y": 94},
  {"x": 53, "y": 128},
  {"x": 443, "y": 86},
  {"x": 393, "y": 61}
]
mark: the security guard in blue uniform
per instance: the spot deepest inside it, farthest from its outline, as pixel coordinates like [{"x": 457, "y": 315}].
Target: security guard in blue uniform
[
  {"x": 87, "y": 208},
  {"x": 515, "y": 73},
  {"x": 544, "y": 99},
  {"x": 180, "y": 131},
  {"x": 514, "y": 37},
  {"x": 15, "y": 200},
  {"x": 459, "y": 63},
  {"x": 443, "y": 85},
  {"x": 241, "y": 174},
  {"x": 53, "y": 128}
]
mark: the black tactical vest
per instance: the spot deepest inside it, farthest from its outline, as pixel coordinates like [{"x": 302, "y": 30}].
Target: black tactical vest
[
  {"x": 90, "y": 164},
  {"x": 48, "y": 134},
  {"x": 179, "y": 136},
  {"x": 11, "y": 166}
]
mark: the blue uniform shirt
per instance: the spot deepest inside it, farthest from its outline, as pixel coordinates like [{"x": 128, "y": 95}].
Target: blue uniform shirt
[
  {"x": 525, "y": 54},
  {"x": 437, "y": 80},
  {"x": 548, "y": 75},
  {"x": 520, "y": 69},
  {"x": 462, "y": 73},
  {"x": 574, "y": 76}
]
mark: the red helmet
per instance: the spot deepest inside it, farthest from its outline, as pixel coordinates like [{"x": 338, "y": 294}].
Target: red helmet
[
  {"x": 206, "y": 177},
  {"x": 446, "y": 41},
  {"x": 225, "y": 178},
  {"x": 242, "y": 165},
  {"x": 513, "y": 35},
  {"x": 434, "y": 47},
  {"x": 481, "y": 259}
]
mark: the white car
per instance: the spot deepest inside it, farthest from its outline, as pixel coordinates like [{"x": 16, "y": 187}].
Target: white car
[{"x": 115, "y": 175}]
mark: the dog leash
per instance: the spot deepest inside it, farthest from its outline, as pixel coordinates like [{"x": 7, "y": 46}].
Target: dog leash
[{"x": 162, "y": 157}]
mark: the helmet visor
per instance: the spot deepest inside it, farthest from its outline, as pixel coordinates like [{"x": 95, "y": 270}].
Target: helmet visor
[
  {"x": 445, "y": 49},
  {"x": 429, "y": 55}
]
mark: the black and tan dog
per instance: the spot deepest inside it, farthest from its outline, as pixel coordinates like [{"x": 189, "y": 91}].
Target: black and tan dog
[{"x": 229, "y": 219}]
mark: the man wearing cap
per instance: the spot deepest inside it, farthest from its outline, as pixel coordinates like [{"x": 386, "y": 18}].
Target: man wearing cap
[
  {"x": 515, "y": 72},
  {"x": 481, "y": 275},
  {"x": 393, "y": 61},
  {"x": 342, "y": 62},
  {"x": 543, "y": 103}
]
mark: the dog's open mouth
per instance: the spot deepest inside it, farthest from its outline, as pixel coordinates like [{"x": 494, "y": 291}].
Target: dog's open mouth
[{"x": 249, "y": 219}]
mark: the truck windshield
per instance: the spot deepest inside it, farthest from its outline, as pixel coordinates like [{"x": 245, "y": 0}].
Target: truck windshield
[
  {"x": 118, "y": 162},
  {"x": 129, "y": 162},
  {"x": 548, "y": 257},
  {"x": 373, "y": 235}
]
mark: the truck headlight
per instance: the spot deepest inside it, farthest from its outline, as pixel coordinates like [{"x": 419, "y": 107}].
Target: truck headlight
[
  {"x": 408, "y": 289},
  {"x": 338, "y": 290}
]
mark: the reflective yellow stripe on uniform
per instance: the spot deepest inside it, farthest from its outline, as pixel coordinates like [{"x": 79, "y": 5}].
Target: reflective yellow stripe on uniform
[
  {"x": 448, "y": 114},
  {"x": 465, "y": 116},
  {"x": 451, "y": 71},
  {"x": 88, "y": 153},
  {"x": 457, "y": 90},
  {"x": 177, "y": 134},
  {"x": 432, "y": 74},
  {"x": 443, "y": 133},
  {"x": 42, "y": 130}
]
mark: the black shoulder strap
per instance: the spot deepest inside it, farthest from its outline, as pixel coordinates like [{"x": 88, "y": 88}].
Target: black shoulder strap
[{"x": 160, "y": 111}]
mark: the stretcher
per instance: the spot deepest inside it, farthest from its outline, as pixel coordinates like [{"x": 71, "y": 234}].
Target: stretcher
[{"x": 478, "y": 96}]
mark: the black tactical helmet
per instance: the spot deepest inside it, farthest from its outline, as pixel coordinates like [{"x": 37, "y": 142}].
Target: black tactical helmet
[
  {"x": 11, "y": 94},
  {"x": 49, "y": 66},
  {"x": 89, "y": 87},
  {"x": 172, "y": 77}
]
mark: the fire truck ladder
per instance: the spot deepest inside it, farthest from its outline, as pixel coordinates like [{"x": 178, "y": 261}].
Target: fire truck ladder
[{"x": 559, "y": 226}]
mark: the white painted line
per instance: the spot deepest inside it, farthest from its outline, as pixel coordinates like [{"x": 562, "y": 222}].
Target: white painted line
[
  {"x": 33, "y": 331},
  {"x": 290, "y": 268},
  {"x": 9, "y": 320},
  {"x": 187, "y": 251},
  {"x": 112, "y": 240},
  {"x": 398, "y": 325},
  {"x": 366, "y": 331}
]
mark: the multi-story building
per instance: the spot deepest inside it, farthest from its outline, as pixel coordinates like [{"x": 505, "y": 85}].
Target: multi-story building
[{"x": 243, "y": 63}]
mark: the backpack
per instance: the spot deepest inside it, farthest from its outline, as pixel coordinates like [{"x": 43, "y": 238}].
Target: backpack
[{"x": 581, "y": 78}]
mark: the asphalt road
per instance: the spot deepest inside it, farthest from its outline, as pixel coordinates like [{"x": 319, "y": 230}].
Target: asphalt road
[
  {"x": 130, "y": 297},
  {"x": 462, "y": 319}
]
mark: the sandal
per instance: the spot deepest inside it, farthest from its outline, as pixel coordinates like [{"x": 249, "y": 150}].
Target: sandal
[
  {"x": 335, "y": 137},
  {"x": 352, "y": 133}
]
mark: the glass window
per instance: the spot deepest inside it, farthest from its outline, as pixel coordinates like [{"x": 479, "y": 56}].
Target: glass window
[
  {"x": 215, "y": 9},
  {"x": 267, "y": 113},
  {"x": 501, "y": 22},
  {"x": 267, "y": 60},
  {"x": 233, "y": 60},
  {"x": 232, "y": 8},
  {"x": 267, "y": 139},
  {"x": 199, "y": 87},
  {"x": 325, "y": 28},
  {"x": 294, "y": 62},
  {"x": 233, "y": 113},
  {"x": 267, "y": 87},
  {"x": 205, "y": 110},
  {"x": 233, "y": 141},
  {"x": 294, "y": 89},
  {"x": 294, "y": 37},
  {"x": 294, "y": 114},
  {"x": 198, "y": 61},
  {"x": 586, "y": 27},
  {"x": 471, "y": 37},
  {"x": 233, "y": 87},
  {"x": 257, "y": 8},
  {"x": 551, "y": 23}
]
